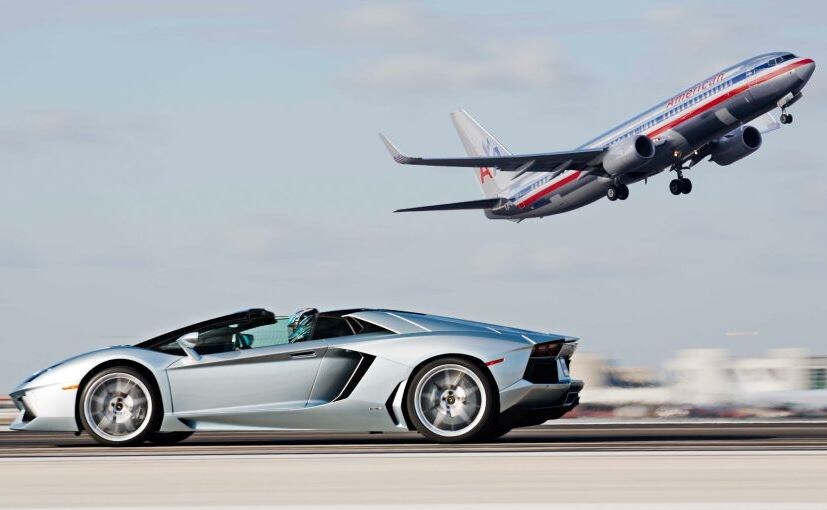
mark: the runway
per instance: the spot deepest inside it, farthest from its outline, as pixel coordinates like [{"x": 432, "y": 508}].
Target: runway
[
  {"x": 565, "y": 436},
  {"x": 599, "y": 465}
]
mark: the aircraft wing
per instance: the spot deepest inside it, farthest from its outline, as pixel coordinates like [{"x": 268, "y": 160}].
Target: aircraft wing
[{"x": 543, "y": 162}]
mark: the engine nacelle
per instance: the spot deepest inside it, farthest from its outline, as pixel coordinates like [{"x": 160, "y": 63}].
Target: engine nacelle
[
  {"x": 628, "y": 155},
  {"x": 736, "y": 145}
]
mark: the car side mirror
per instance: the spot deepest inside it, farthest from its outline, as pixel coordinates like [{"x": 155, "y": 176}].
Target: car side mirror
[{"x": 188, "y": 343}]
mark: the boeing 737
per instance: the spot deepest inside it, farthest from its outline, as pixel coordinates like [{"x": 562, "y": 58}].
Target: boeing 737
[{"x": 713, "y": 118}]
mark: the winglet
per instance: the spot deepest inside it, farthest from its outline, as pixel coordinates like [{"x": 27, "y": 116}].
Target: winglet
[{"x": 395, "y": 154}]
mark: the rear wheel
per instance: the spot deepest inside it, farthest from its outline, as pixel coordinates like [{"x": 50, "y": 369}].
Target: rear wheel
[
  {"x": 451, "y": 400},
  {"x": 118, "y": 407}
]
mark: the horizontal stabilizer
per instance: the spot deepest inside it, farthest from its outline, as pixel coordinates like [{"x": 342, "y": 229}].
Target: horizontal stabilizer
[{"x": 487, "y": 203}]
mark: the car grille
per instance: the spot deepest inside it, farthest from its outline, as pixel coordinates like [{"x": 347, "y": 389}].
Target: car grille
[{"x": 20, "y": 403}]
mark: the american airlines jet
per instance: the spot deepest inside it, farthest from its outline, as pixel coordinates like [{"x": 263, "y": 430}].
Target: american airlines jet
[{"x": 709, "y": 119}]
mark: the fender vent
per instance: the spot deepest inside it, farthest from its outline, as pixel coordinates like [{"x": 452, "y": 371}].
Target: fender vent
[{"x": 356, "y": 377}]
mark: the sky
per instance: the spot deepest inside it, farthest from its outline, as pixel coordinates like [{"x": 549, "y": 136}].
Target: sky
[{"x": 167, "y": 162}]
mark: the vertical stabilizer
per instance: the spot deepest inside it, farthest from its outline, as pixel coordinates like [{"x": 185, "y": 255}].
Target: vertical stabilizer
[{"x": 479, "y": 142}]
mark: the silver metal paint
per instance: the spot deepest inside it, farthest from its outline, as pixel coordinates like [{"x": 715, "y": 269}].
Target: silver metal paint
[{"x": 265, "y": 388}]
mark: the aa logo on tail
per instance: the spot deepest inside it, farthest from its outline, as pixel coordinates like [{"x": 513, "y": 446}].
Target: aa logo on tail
[{"x": 489, "y": 149}]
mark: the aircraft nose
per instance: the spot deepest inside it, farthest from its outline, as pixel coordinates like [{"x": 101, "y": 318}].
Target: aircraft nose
[{"x": 804, "y": 72}]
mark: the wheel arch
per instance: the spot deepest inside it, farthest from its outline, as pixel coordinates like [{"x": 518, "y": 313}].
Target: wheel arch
[
  {"x": 495, "y": 397},
  {"x": 120, "y": 362}
]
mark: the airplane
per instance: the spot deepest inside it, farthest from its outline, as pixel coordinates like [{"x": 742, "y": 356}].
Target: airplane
[{"x": 713, "y": 118}]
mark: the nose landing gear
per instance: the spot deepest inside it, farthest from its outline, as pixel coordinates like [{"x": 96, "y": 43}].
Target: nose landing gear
[{"x": 785, "y": 102}]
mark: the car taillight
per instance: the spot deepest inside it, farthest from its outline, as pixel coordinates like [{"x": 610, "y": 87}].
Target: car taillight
[{"x": 546, "y": 350}]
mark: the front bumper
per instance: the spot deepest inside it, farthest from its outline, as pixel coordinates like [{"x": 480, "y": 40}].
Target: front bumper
[{"x": 45, "y": 408}]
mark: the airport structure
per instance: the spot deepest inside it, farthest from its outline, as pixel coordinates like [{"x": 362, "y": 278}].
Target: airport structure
[{"x": 789, "y": 378}]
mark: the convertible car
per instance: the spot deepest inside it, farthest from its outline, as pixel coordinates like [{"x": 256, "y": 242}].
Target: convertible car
[{"x": 365, "y": 370}]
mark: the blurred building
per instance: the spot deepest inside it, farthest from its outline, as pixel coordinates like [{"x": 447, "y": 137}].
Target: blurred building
[{"x": 708, "y": 378}]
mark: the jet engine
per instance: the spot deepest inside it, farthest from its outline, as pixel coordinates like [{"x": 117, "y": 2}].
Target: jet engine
[
  {"x": 736, "y": 145},
  {"x": 628, "y": 155}
]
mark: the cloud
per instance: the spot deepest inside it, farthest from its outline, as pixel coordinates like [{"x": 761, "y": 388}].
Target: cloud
[
  {"x": 530, "y": 63},
  {"x": 509, "y": 261},
  {"x": 55, "y": 126},
  {"x": 411, "y": 48}
]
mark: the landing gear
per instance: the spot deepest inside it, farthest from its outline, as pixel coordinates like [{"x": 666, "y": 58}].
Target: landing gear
[
  {"x": 617, "y": 192},
  {"x": 786, "y": 118},
  {"x": 680, "y": 185}
]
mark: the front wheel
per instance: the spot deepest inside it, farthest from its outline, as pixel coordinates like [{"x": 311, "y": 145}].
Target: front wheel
[
  {"x": 451, "y": 400},
  {"x": 118, "y": 407}
]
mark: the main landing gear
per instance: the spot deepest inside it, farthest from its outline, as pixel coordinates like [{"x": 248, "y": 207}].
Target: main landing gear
[
  {"x": 617, "y": 192},
  {"x": 786, "y": 118},
  {"x": 681, "y": 185}
]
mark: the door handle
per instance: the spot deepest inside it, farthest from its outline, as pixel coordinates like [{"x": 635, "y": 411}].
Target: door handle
[{"x": 303, "y": 354}]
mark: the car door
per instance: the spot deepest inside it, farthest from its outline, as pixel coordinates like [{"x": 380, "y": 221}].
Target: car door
[{"x": 243, "y": 370}]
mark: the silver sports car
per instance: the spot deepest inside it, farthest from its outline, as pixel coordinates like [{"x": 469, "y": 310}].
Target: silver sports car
[{"x": 368, "y": 370}]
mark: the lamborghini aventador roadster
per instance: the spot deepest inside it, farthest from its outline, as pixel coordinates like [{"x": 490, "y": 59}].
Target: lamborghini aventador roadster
[{"x": 359, "y": 370}]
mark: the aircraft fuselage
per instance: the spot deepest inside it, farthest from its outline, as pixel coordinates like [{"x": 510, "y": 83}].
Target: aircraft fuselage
[{"x": 679, "y": 127}]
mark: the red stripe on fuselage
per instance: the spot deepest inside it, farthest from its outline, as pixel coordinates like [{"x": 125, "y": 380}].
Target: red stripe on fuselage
[
  {"x": 728, "y": 95},
  {"x": 554, "y": 186},
  {"x": 688, "y": 115}
]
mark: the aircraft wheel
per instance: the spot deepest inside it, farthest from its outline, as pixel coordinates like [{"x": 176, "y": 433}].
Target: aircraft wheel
[
  {"x": 786, "y": 118},
  {"x": 613, "y": 193},
  {"x": 624, "y": 192},
  {"x": 675, "y": 187},
  {"x": 686, "y": 186}
]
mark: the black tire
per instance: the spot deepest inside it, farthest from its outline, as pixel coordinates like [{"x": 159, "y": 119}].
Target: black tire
[
  {"x": 612, "y": 193},
  {"x": 675, "y": 186},
  {"x": 686, "y": 186},
  {"x": 624, "y": 192},
  {"x": 452, "y": 413},
  {"x": 169, "y": 438},
  {"x": 111, "y": 408}
]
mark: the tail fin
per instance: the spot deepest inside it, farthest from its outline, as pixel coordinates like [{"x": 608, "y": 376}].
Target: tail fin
[{"x": 478, "y": 142}]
